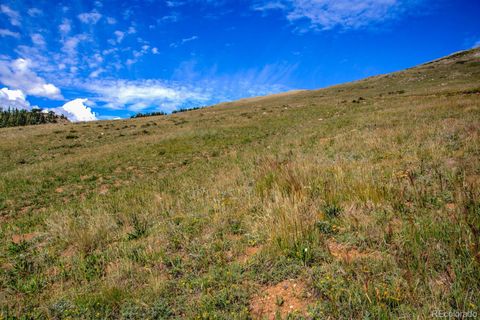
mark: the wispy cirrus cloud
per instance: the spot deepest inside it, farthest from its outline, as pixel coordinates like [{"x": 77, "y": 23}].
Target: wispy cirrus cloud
[
  {"x": 193, "y": 88},
  {"x": 269, "y": 5},
  {"x": 34, "y": 12},
  {"x": 183, "y": 41},
  {"x": 14, "y": 16},
  {"x": 330, "y": 14},
  {"x": 9, "y": 33},
  {"x": 141, "y": 94}
]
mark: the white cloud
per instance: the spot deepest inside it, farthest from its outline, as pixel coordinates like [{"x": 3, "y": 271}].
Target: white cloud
[
  {"x": 89, "y": 17},
  {"x": 8, "y": 33},
  {"x": 129, "y": 62},
  {"x": 34, "y": 12},
  {"x": 155, "y": 50},
  {"x": 329, "y": 14},
  {"x": 197, "y": 87},
  {"x": 174, "y": 17},
  {"x": 70, "y": 47},
  {"x": 65, "y": 27},
  {"x": 183, "y": 41},
  {"x": 269, "y": 5},
  {"x": 111, "y": 20},
  {"x": 138, "y": 95},
  {"x": 13, "y": 15},
  {"x": 76, "y": 110},
  {"x": 38, "y": 39},
  {"x": 96, "y": 73},
  {"x": 18, "y": 75},
  {"x": 119, "y": 35},
  {"x": 14, "y": 99},
  {"x": 189, "y": 39}
]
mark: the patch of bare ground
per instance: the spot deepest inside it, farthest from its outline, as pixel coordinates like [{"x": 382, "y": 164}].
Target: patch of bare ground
[
  {"x": 284, "y": 298},
  {"x": 18, "y": 238},
  {"x": 343, "y": 252}
]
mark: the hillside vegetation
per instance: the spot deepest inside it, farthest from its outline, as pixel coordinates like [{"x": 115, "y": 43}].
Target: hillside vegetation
[
  {"x": 14, "y": 117},
  {"x": 360, "y": 200}
]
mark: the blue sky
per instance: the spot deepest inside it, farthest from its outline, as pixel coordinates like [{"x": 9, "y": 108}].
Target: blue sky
[{"x": 117, "y": 58}]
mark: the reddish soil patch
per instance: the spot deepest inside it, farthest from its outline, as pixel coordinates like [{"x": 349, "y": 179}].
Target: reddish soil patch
[
  {"x": 18, "y": 238},
  {"x": 286, "y": 297},
  {"x": 451, "y": 206},
  {"x": 59, "y": 190}
]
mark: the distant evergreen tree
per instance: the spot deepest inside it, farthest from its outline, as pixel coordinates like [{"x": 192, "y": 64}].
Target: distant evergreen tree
[
  {"x": 148, "y": 114},
  {"x": 14, "y": 117},
  {"x": 186, "y": 109}
]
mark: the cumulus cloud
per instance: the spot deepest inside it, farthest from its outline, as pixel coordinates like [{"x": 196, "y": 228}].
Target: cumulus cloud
[
  {"x": 8, "y": 33},
  {"x": 90, "y": 17},
  {"x": 13, "y": 15},
  {"x": 18, "y": 74},
  {"x": 76, "y": 110},
  {"x": 14, "y": 99},
  {"x": 329, "y": 14}
]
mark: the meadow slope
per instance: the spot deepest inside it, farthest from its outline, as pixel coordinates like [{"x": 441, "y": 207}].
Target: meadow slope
[{"x": 360, "y": 200}]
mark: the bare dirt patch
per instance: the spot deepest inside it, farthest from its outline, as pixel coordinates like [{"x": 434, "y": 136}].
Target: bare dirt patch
[
  {"x": 451, "y": 206},
  {"x": 284, "y": 298},
  {"x": 18, "y": 238}
]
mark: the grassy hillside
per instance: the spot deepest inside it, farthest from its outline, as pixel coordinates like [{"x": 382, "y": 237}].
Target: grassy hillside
[{"x": 356, "y": 201}]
